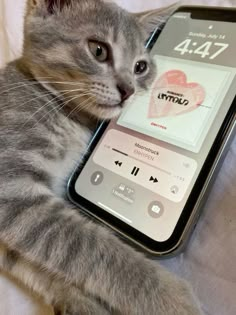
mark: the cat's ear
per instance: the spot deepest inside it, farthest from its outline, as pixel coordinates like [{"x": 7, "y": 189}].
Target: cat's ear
[
  {"x": 151, "y": 20},
  {"x": 50, "y": 5}
]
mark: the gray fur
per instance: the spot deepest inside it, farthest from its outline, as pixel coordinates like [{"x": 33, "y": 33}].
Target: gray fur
[{"x": 77, "y": 266}]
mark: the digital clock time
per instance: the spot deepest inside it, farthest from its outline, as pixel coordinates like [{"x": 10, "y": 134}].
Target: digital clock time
[{"x": 208, "y": 49}]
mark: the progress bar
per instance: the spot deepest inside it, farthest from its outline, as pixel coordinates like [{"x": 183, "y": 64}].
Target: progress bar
[
  {"x": 144, "y": 162},
  {"x": 114, "y": 212},
  {"x": 119, "y": 152}
]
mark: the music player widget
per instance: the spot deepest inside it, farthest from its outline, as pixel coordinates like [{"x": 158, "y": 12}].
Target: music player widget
[{"x": 160, "y": 170}]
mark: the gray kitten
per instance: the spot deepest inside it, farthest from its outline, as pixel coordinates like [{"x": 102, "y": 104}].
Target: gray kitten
[{"x": 82, "y": 60}]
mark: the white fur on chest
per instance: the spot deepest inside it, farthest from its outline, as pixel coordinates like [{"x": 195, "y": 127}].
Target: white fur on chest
[{"x": 77, "y": 138}]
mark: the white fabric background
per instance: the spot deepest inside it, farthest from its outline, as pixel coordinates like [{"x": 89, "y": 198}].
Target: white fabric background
[{"x": 209, "y": 262}]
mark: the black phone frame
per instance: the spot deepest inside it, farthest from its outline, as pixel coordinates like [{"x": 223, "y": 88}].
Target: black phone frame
[{"x": 102, "y": 216}]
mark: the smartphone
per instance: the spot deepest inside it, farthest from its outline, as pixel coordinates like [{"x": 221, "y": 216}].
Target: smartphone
[{"x": 149, "y": 172}]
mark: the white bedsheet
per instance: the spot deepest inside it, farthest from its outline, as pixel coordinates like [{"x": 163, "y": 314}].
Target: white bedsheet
[{"x": 209, "y": 262}]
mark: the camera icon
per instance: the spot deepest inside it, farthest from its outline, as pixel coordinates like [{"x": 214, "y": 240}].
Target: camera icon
[{"x": 155, "y": 209}]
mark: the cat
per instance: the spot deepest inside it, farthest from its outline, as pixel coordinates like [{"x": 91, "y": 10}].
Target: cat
[{"x": 81, "y": 61}]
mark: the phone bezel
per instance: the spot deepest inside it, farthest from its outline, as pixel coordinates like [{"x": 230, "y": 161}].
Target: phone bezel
[{"x": 121, "y": 227}]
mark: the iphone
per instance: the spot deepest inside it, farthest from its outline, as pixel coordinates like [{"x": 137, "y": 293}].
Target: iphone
[{"x": 149, "y": 172}]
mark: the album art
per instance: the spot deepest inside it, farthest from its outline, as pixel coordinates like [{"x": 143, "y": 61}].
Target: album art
[
  {"x": 173, "y": 95},
  {"x": 181, "y": 104}
]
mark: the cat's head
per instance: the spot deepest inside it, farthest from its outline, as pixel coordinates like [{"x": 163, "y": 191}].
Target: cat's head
[{"x": 91, "y": 52}]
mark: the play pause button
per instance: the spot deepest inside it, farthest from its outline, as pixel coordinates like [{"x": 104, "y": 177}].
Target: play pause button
[
  {"x": 135, "y": 171},
  {"x": 153, "y": 179}
]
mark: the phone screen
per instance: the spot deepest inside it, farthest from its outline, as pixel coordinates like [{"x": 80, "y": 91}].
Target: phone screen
[{"x": 147, "y": 162}]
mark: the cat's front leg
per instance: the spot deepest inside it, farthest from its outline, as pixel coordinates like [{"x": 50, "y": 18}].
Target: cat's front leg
[
  {"x": 65, "y": 299},
  {"x": 82, "y": 305},
  {"x": 51, "y": 235}
]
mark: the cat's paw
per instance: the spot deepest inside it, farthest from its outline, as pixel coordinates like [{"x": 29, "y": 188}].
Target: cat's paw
[
  {"x": 176, "y": 297},
  {"x": 158, "y": 292},
  {"x": 85, "y": 306},
  {"x": 84, "y": 311},
  {"x": 169, "y": 295}
]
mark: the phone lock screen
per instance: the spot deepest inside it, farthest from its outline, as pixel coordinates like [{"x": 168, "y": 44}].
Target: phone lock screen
[{"x": 146, "y": 163}]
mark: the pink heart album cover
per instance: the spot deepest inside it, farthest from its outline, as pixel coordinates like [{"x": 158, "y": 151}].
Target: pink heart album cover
[
  {"x": 181, "y": 104},
  {"x": 172, "y": 95}
]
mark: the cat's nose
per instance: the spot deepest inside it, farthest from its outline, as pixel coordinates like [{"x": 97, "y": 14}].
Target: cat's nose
[{"x": 125, "y": 91}]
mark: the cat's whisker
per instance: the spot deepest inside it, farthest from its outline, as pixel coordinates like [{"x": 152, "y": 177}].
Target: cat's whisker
[
  {"x": 68, "y": 100},
  {"x": 43, "y": 79},
  {"x": 34, "y": 99},
  {"x": 31, "y": 84},
  {"x": 28, "y": 101},
  {"x": 80, "y": 106},
  {"x": 60, "y": 107},
  {"x": 87, "y": 105},
  {"x": 20, "y": 85},
  {"x": 62, "y": 93},
  {"x": 66, "y": 82},
  {"x": 44, "y": 106},
  {"x": 76, "y": 97},
  {"x": 22, "y": 81}
]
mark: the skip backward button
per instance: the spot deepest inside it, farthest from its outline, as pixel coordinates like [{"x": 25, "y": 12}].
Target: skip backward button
[
  {"x": 118, "y": 163},
  {"x": 153, "y": 179}
]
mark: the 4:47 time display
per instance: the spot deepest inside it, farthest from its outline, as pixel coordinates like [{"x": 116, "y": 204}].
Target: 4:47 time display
[{"x": 190, "y": 47}]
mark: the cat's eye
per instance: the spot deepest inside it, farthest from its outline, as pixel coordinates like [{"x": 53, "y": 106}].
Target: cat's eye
[
  {"x": 99, "y": 50},
  {"x": 140, "y": 67}
]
